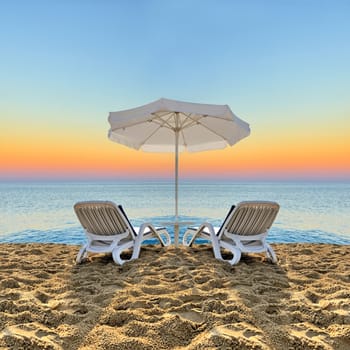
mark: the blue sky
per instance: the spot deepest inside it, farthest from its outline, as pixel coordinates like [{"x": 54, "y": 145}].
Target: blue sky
[
  {"x": 278, "y": 64},
  {"x": 146, "y": 49}
]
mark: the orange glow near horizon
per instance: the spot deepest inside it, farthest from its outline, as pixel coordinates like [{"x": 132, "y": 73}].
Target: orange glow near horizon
[{"x": 65, "y": 153}]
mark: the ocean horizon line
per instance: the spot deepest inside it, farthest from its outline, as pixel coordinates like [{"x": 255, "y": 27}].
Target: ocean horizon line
[{"x": 170, "y": 181}]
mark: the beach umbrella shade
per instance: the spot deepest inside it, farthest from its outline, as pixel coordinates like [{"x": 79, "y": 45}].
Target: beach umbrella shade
[{"x": 175, "y": 126}]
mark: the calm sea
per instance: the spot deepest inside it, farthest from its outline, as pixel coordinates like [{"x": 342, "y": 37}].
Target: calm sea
[{"x": 43, "y": 212}]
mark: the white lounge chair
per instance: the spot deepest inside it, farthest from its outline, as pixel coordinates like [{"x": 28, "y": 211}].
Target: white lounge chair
[
  {"x": 109, "y": 230},
  {"x": 243, "y": 231}
]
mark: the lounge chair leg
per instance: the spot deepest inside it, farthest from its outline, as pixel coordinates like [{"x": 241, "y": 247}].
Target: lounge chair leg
[
  {"x": 271, "y": 254},
  {"x": 136, "y": 249},
  {"x": 235, "y": 252},
  {"x": 236, "y": 256},
  {"x": 116, "y": 257},
  {"x": 82, "y": 254},
  {"x": 116, "y": 253}
]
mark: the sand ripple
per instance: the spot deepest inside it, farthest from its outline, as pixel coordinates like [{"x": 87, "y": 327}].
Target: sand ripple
[{"x": 174, "y": 299}]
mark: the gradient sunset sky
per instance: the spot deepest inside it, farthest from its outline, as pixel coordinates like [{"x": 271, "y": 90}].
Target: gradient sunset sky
[{"x": 283, "y": 66}]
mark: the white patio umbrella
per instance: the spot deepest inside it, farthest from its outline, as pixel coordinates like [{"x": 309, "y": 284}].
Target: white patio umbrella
[{"x": 175, "y": 126}]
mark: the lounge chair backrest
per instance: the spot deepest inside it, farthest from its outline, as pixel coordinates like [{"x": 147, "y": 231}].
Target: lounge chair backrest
[
  {"x": 102, "y": 218},
  {"x": 250, "y": 218}
]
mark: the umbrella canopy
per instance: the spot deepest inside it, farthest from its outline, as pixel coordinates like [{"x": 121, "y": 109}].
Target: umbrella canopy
[
  {"x": 175, "y": 126},
  {"x": 200, "y": 127}
]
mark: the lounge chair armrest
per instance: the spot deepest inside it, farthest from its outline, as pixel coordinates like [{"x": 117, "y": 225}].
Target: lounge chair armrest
[
  {"x": 196, "y": 232},
  {"x": 188, "y": 232},
  {"x": 211, "y": 235},
  {"x": 142, "y": 235},
  {"x": 209, "y": 226},
  {"x": 156, "y": 232}
]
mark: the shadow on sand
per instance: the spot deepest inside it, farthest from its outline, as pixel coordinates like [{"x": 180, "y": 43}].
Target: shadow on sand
[{"x": 168, "y": 298}]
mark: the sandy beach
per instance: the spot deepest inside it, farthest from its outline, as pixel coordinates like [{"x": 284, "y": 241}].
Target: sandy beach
[{"x": 174, "y": 299}]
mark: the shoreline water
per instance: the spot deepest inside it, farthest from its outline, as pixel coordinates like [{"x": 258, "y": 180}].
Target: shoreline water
[
  {"x": 77, "y": 237},
  {"x": 310, "y": 212}
]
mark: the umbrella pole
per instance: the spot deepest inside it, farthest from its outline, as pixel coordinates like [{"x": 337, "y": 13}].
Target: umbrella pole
[{"x": 176, "y": 225}]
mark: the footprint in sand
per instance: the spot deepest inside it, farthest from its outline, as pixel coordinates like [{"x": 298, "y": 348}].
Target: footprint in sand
[
  {"x": 9, "y": 283},
  {"x": 231, "y": 337},
  {"x": 136, "y": 329},
  {"x": 310, "y": 333},
  {"x": 202, "y": 279},
  {"x": 313, "y": 297},
  {"x": 212, "y": 284},
  {"x": 151, "y": 281},
  {"x": 170, "y": 275},
  {"x": 8, "y": 306},
  {"x": 272, "y": 309},
  {"x": 193, "y": 316},
  {"x": 167, "y": 303},
  {"x": 43, "y": 297},
  {"x": 154, "y": 291},
  {"x": 11, "y": 296},
  {"x": 213, "y": 306},
  {"x": 191, "y": 298},
  {"x": 141, "y": 304},
  {"x": 40, "y": 337},
  {"x": 309, "y": 339}
]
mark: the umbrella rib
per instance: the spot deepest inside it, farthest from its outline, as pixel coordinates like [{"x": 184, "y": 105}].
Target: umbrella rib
[
  {"x": 184, "y": 121},
  {"x": 192, "y": 121},
  {"x": 149, "y": 136},
  {"x": 189, "y": 124},
  {"x": 183, "y": 137},
  {"x": 163, "y": 122},
  {"x": 128, "y": 126},
  {"x": 142, "y": 121},
  {"x": 159, "y": 114},
  {"x": 204, "y": 126}
]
